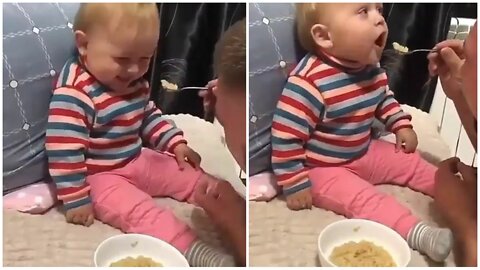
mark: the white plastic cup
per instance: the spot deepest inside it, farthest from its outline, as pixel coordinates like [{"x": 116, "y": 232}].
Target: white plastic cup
[
  {"x": 344, "y": 231},
  {"x": 122, "y": 246}
]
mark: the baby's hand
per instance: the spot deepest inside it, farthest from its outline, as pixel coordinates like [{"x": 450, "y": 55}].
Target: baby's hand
[
  {"x": 300, "y": 200},
  {"x": 82, "y": 215},
  {"x": 407, "y": 138},
  {"x": 185, "y": 154}
]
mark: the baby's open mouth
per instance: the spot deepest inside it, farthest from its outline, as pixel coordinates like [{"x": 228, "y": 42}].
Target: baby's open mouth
[{"x": 380, "y": 40}]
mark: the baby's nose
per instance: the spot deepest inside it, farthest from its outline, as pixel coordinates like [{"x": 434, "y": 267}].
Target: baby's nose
[
  {"x": 133, "y": 69},
  {"x": 380, "y": 20}
]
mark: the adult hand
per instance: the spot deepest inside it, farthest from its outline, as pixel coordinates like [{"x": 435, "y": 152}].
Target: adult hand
[
  {"x": 469, "y": 176},
  {"x": 456, "y": 198},
  {"x": 220, "y": 200},
  {"x": 208, "y": 96},
  {"x": 227, "y": 210},
  {"x": 446, "y": 63}
]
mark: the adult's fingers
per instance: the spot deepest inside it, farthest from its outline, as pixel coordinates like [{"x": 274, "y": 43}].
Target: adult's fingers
[
  {"x": 435, "y": 59},
  {"x": 224, "y": 187},
  {"x": 203, "y": 93},
  {"x": 433, "y": 62},
  {"x": 449, "y": 165},
  {"x": 451, "y": 59},
  {"x": 212, "y": 83},
  {"x": 468, "y": 173},
  {"x": 214, "y": 191},
  {"x": 204, "y": 198},
  {"x": 200, "y": 192},
  {"x": 455, "y": 44}
]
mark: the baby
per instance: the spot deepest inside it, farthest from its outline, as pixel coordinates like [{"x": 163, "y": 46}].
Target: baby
[
  {"x": 323, "y": 153},
  {"x": 99, "y": 116}
]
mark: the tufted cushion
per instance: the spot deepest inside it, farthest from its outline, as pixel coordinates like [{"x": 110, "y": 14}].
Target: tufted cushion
[
  {"x": 37, "y": 40},
  {"x": 273, "y": 52}
]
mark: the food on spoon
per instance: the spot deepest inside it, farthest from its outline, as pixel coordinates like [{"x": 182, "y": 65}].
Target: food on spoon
[
  {"x": 169, "y": 86},
  {"x": 399, "y": 48},
  {"x": 139, "y": 261},
  {"x": 361, "y": 254}
]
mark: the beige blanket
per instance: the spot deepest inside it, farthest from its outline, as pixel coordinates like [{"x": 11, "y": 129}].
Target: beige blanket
[
  {"x": 280, "y": 237},
  {"x": 47, "y": 240}
]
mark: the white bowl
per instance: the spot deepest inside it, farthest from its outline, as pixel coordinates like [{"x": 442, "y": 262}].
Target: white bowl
[
  {"x": 121, "y": 246},
  {"x": 341, "y": 232}
]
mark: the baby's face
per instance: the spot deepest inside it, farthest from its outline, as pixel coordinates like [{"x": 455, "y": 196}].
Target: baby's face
[
  {"x": 118, "y": 56},
  {"x": 358, "y": 32}
]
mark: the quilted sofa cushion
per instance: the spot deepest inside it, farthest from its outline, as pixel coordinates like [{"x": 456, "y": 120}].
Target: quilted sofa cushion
[
  {"x": 37, "y": 40},
  {"x": 273, "y": 51}
]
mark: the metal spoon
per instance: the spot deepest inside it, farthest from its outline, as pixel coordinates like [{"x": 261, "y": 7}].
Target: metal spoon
[
  {"x": 193, "y": 88},
  {"x": 417, "y": 50},
  {"x": 186, "y": 88}
]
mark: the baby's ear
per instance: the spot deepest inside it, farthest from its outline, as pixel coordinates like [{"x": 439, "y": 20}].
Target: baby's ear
[
  {"x": 81, "y": 41},
  {"x": 321, "y": 36}
]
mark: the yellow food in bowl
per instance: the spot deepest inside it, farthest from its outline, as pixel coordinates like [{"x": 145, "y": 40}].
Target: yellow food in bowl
[
  {"x": 361, "y": 254},
  {"x": 140, "y": 261}
]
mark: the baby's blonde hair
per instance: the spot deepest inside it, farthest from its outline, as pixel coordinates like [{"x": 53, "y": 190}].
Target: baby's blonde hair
[
  {"x": 307, "y": 15},
  {"x": 90, "y": 15}
]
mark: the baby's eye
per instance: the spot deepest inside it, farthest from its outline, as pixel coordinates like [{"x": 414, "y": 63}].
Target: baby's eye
[
  {"x": 121, "y": 59},
  {"x": 363, "y": 11},
  {"x": 380, "y": 10}
]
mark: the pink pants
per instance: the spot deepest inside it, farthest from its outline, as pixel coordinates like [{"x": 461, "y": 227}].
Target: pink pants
[
  {"x": 349, "y": 189},
  {"x": 122, "y": 198}
]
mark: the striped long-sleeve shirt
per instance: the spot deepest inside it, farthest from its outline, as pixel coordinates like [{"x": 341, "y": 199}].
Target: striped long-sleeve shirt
[
  {"x": 93, "y": 129},
  {"x": 324, "y": 118}
]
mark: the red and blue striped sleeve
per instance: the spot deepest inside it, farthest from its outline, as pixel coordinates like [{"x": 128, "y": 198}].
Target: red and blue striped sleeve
[
  {"x": 391, "y": 114},
  {"x": 67, "y": 137},
  {"x": 159, "y": 132},
  {"x": 297, "y": 113}
]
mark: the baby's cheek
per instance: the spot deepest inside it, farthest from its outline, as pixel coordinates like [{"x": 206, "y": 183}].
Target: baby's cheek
[
  {"x": 144, "y": 66},
  {"x": 112, "y": 70},
  {"x": 106, "y": 74}
]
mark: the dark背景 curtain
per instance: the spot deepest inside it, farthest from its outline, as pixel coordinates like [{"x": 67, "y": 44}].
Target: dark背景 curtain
[
  {"x": 418, "y": 26},
  {"x": 188, "y": 36}
]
